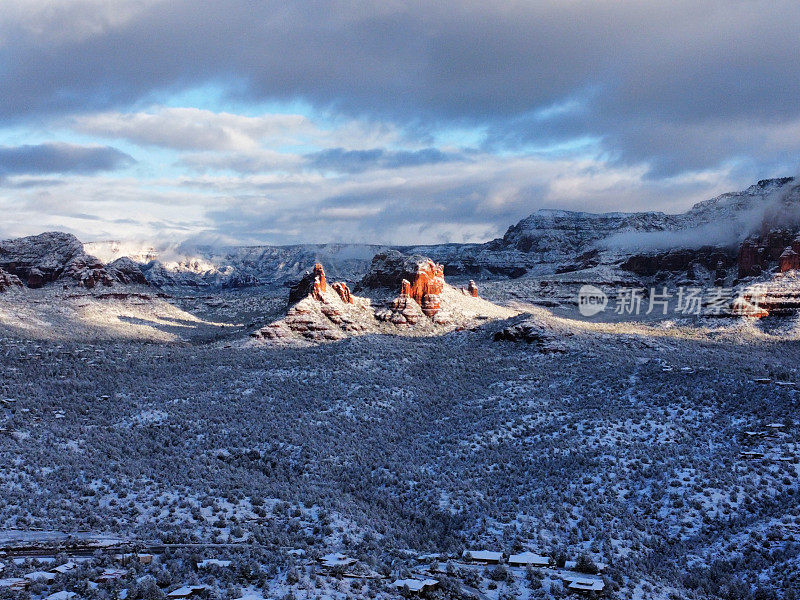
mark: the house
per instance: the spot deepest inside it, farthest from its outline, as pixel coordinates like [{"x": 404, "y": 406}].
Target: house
[
  {"x": 586, "y": 585},
  {"x": 775, "y": 428},
  {"x": 528, "y": 559},
  {"x": 483, "y": 557},
  {"x": 65, "y": 568},
  {"x": 63, "y": 595},
  {"x": 336, "y": 559},
  {"x": 213, "y": 562},
  {"x": 111, "y": 575},
  {"x": 187, "y": 591},
  {"x": 14, "y": 583},
  {"x": 40, "y": 576},
  {"x": 416, "y": 585},
  {"x": 426, "y": 558}
]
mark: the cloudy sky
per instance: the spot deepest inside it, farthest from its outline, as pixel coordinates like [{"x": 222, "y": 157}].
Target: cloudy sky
[{"x": 252, "y": 121}]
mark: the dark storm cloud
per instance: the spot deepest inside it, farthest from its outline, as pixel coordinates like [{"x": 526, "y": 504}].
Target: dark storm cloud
[
  {"x": 358, "y": 161},
  {"x": 653, "y": 68},
  {"x": 60, "y": 158}
]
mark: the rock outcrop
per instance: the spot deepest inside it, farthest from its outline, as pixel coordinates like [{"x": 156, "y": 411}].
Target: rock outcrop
[
  {"x": 320, "y": 312},
  {"x": 126, "y": 271},
  {"x": 790, "y": 259},
  {"x": 341, "y": 288},
  {"x": 41, "y": 259},
  {"x": 8, "y": 281},
  {"x": 708, "y": 262},
  {"x": 312, "y": 284},
  {"x": 759, "y": 253},
  {"x": 557, "y": 234},
  {"x": 416, "y": 276},
  {"x": 403, "y": 310},
  {"x": 537, "y": 332}
]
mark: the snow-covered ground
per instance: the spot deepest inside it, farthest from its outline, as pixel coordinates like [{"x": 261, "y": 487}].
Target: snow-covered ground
[{"x": 626, "y": 445}]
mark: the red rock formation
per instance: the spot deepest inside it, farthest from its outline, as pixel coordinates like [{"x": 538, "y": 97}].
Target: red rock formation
[
  {"x": 320, "y": 281},
  {"x": 789, "y": 260},
  {"x": 430, "y": 305},
  {"x": 312, "y": 284},
  {"x": 426, "y": 286},
  {"x": 472, "y": 289},
  {"x": 344, "y": 292},
  {"x": 429, "y": 281},
  {"x": 403, "y": 310},
  {"x": 420, "y": 278},
  {"x": 745, "y": 307},
  {"x": 405, "y": 288},
  {"x": 758, "y": 254}
]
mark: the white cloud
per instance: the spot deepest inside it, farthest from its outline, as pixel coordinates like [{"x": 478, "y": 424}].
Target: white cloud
[
  {"x": 69, "y": 21},
  {"x": 454, "y": 201},
  {"x": 197, "y": 129}
]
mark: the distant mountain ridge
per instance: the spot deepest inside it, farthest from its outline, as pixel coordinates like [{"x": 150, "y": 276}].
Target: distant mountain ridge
[{"x": 548, "y": 241}]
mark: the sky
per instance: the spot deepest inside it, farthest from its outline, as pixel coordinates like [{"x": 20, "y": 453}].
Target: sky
[{"x": 260, "y": 122}]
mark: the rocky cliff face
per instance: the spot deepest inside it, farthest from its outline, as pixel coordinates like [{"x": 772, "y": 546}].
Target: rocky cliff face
[
  {"x": 546, "y": 242},
  {"x": 59, "y": 257},
  {"x": 126, "y": 271},
  {"x": 8, "y": 281},
  {"x": 48, "y": 257},
  {"x": 553, "y": 234},
  {"x": 313, "y": 284},
  {"x": 416, "y": 277},
  {"x": 425, "y": 304}
]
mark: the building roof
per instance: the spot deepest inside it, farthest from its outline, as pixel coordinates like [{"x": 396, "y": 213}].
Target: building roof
[
  {"x": 66, "y": 567},
  {"x": 112, "y": 573},
  {"x": 40, "y": 576},
  {"x": 336, "y": 559},
  {"x": 415, "y": 585},
  {"x": 486, "y": 555},
  {"x": 186, "y": 591},
  {"x": 213, "y": 562},
  {"x": 529, "y": 558},
  {"x": 63, "y": 595},
  {"x": 593, "y": 585},
  {"x": 15, "y": 583}
]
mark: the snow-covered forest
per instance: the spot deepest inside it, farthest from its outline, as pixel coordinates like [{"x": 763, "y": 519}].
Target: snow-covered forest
[{"x": 660, "y": 464}]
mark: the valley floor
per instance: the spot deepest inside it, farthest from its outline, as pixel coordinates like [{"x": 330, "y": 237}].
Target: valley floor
[{"x": 656, "y": 454}]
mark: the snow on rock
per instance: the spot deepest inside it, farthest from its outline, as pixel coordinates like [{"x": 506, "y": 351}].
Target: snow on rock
[
  {"x": 559, "y": 234},
  {"x": 48, "y": 257},
  {"x": 545, "y": 334},
  {"x": 416, "y": 276},
  {"x": 703, "y": 242},
  {"x": 341, "y": 288},
  {"x": 127, "y": 271},
  {"x": 403, "y": 310},
  {"x": 312, "y": 284},
  {"x": 8, "y": 281},
  {"x": 426, "y": 305}
]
